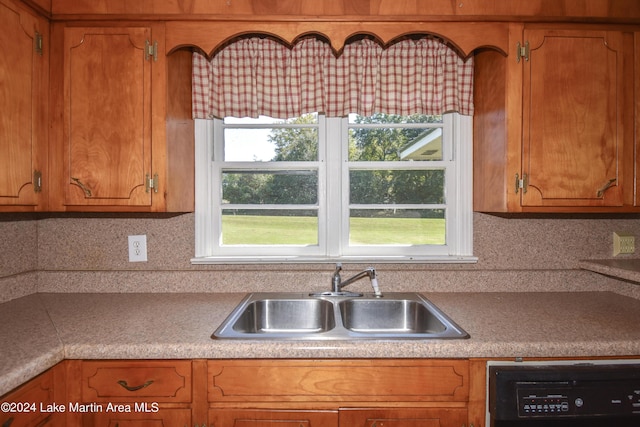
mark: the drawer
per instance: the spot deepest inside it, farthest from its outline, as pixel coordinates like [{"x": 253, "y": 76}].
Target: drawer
[
  {"x": 119, "y": 381},
  {"x": 385, "y": 380}
]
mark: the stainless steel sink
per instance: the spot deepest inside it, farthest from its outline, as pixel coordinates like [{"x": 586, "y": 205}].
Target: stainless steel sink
[
  {"x": 292, "y": 316},
  {"x": 399, "y": 316},
  {"x": 289, "y": 316}
]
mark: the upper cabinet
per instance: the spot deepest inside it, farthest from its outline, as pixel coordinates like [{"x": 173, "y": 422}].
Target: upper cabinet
[
  {"x": 554, "y": 136},
  {"x": 572, "y": 118},
  {"x": 24, "y": 65},
  {"x": 104, "y": 150},
  {"x": 109, "y": 149},
  {"x": 107, "y": 117}
]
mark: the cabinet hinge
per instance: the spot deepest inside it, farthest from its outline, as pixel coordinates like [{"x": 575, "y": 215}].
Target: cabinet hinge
[
  {"x": 152, "y": 183},
  {"x": 38, "y": 43},
  {"x": 522, "y": 52},
  {"x": 151, "y": 50},
  {"x": 521, "y": 183},
  {"x": 37, "y": 181}
]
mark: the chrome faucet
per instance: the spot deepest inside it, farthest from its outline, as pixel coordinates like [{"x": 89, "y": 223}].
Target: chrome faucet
[{"x": 337, "y": 284}]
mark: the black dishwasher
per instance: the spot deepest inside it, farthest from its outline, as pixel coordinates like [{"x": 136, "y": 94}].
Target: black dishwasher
[{"x": 576, "y": 394}]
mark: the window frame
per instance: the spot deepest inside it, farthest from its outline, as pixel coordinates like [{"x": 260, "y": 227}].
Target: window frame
[{"x": 333, "y": 186}]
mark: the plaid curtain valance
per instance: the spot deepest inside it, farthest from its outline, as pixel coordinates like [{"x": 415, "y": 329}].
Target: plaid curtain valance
[{"x": 259, "y": 76}]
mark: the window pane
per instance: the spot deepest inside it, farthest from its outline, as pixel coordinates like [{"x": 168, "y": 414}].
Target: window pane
[
  {"x": 274, "y": 227},
  {"x": 298, "y": 187},
  {"x": 403, "y": 139},
  {"x": 248, "y": 145},
  {"x": 266, "y": 139},
  {"x": 397, "y": 227},
  {"x": 396, "y": 186}
]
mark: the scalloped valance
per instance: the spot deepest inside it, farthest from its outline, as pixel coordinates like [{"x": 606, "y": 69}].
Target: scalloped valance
[{"x": 260, "y": 76}]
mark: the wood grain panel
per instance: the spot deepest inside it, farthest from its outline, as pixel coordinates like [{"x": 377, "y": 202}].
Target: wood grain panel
[
  {"x": 209, "y": 36},
  {"x": 373, "y": 380},
  {"x": 622, "y": 10},
  {"x": 573, "y": 111},
  {"x": 107, "y": 116}
]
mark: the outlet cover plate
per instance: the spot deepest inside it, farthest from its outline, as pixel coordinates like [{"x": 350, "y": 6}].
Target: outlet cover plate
[
  {"x": 138, "y": 248},
  {"x": 623, "y": 243}
]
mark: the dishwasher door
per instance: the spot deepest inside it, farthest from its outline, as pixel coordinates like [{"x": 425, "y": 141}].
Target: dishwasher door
[{"x": 568, "y": 394}]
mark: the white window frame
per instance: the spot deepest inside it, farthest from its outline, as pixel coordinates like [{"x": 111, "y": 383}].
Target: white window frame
[{"x": 333, "y": 207}]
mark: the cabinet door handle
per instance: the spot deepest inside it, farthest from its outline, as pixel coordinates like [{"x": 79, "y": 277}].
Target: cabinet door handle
[
  {"x": 87, "y": 190},
  {"x": 135, "y": 388},
  {"x": 8, "y": 422},
  {"x": 605, "y": 187}
]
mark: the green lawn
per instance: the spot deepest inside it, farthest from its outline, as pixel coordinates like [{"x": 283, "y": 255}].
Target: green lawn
[{"x": 298, "y": 230}]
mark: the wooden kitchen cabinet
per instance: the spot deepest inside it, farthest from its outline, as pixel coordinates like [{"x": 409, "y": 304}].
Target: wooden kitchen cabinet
[
  {"x": 109, "y": 148},
  {"x": 338, "y": 392},
  {"x": 24, "y": 66},
  {"x": 106, "y": 148},
  {"x": 30, "y": 404},
  {"x": 551, "y": 131}
]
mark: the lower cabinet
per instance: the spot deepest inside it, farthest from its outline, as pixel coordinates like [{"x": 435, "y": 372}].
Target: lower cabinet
[
  {"x": 272, "y": 418},
  {"x": 254, "y": 393},
  {"x": 404, "y": 417},
  {"x": 31, "y": 404},
  {"x": 344, "y": 417}
]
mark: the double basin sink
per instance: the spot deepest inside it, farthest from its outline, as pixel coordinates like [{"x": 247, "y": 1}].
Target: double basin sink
[{"x": 294, "y": 316}]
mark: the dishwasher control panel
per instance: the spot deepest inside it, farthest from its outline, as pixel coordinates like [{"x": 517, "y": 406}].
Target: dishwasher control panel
[
  {"x": 549, "y": 404},
  {"x": 604, "y": 397}
]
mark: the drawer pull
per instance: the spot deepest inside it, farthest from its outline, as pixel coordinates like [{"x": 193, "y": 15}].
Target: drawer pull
[
  {"x": 605, "y": 187},
  {"x": 135, "y": 388}
]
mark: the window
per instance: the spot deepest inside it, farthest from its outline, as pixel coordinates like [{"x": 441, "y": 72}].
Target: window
[{"x": 382, "y": 188}]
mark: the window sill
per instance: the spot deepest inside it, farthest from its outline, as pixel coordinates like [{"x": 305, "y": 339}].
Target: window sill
[{"x": 362, "y": 259}]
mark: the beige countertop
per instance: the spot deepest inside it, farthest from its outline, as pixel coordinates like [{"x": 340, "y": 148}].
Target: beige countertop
[
  {"x": 626, "y": 269},
  {"x": 42, "y": 329}
]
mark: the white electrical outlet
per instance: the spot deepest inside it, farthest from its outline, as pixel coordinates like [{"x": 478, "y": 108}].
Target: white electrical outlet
[
  {"x": 138, "y": 248},
  {"x": 623, "y": 243}
]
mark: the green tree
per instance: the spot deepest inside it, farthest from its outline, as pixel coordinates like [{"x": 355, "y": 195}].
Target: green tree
[
  {"x": 385, "y": 144},
  {"x": 297, "y": 144}
]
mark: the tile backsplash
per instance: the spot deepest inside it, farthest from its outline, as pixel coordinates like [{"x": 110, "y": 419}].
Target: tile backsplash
[{"x": 80, "y": 253}]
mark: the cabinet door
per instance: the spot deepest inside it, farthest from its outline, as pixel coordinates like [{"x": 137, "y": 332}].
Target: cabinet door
[
  {"x": 23, "y": 124},
  {"x": 572, "y": 118},
  {"x": 30, "y": 404},
  {"x": 272, "y": 418},
  {"x": 107, "y": 116},
  {"x": 403, "y": 417},
  {"x": 162, "y": 418}
]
